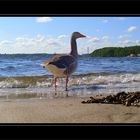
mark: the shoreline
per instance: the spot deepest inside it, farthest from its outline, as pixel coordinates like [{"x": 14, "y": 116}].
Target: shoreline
[{"x": 66, "y": 110}]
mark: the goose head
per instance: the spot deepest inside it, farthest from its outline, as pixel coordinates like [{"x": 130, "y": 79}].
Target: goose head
[{"x": 77, "y": 35}]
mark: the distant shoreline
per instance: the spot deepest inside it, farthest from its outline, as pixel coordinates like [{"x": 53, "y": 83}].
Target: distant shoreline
[{"x": 130, "y": 51}]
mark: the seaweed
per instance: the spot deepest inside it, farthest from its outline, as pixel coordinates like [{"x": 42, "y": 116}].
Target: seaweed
[{"x": 127, "y": 99}]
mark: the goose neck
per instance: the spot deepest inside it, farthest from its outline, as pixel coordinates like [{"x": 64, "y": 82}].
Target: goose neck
[{"x": 74, "y": 47}]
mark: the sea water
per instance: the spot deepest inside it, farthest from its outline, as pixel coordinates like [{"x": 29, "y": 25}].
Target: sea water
[
  {"x": 21, "y": 76},
  {"x": 29, "y": 64}
]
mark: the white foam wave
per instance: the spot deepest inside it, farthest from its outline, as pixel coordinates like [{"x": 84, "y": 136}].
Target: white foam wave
[
  {"x": 107, "y": 79},
  {"x": 10, "y": 83}
]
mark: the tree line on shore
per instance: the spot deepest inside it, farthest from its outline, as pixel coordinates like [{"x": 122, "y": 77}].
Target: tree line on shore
[{"x": 117, "y": 51}]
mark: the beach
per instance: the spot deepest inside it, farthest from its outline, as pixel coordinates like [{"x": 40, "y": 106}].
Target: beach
[{"x": 65, "y": 110}]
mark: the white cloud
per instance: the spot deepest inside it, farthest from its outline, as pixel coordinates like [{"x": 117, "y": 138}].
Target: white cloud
[
  {"x": 62, "y": 36},
  {"x": 37, "y": 44},
  {"x": 52, "y": 42},
  {"x": 121, "y": 18},
  {"x": 43, "y": 19},
  {"x": 19, "y": 39},
  {"x": 58, "y": 44},
  {"x": 133, "y": 42},
  {"x": 40, "y": 38},
  {"x": 105, "y": 37},
  {"x": 105, "y": 20},
  {"x": 5, "y": 42},
  {"x": 124, "y": 36},
  {"x": 95, "y": 39},
  {"x": 132, "y": 28},
  {"x": 137, "y": 41},
  {"x": 88, "y": 37},
  {"x": 127, "y": 42}
]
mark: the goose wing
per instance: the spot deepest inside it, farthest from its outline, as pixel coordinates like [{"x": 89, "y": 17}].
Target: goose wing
[{"x": 62, "y": 61}]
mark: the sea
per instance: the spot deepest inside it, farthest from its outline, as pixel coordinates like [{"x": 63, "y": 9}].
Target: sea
[{"x": 22, "y": 77}]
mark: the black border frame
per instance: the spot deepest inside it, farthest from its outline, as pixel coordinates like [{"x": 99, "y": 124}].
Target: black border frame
[
  {"x": 69, "y": 7},
  {"x": 63, "y": 8}
]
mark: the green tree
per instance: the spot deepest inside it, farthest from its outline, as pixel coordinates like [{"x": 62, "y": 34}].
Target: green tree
[{"x": 116, "y": 51}]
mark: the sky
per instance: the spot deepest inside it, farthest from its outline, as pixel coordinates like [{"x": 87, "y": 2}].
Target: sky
[{"x": 31, "y": 35}]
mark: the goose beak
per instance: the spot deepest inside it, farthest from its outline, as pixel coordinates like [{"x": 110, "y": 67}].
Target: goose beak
[{"x": 83, "y": 35}]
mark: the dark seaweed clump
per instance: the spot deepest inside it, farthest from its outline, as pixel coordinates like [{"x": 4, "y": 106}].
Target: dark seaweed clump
[{"x": 128, "y": 99}]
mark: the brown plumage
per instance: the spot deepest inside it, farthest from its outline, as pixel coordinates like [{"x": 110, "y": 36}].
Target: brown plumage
[{"x": 63, "y": 65}]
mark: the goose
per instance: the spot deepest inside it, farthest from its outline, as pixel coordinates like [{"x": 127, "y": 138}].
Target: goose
[{"x": 63, "y": 65}]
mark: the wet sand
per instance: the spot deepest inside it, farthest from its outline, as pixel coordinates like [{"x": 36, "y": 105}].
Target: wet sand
[{"x": 66, "y": 110}]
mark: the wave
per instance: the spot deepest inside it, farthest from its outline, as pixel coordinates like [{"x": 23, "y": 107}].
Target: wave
[
  {"x": 83, "y": 85},
  {"x": 75, "y": 80},
  {"x": 8, "y": 68}
]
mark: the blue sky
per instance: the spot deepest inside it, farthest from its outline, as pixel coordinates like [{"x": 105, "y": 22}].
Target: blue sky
[{"x": 52, "y": 34}]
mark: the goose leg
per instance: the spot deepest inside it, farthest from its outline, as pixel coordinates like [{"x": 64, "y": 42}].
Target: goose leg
[
  {"x": 55, "y": 80},
  {"x": 67, "y": 80},
  {"x": 52, "y": 82}
]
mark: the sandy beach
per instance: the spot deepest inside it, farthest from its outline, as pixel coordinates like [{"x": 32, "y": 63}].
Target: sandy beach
[{"x": 65, "y": 110}]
